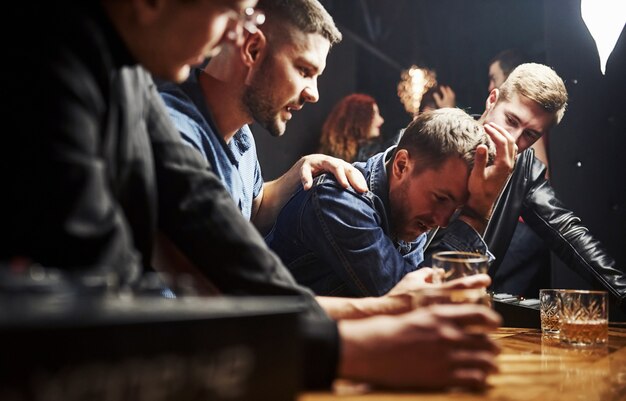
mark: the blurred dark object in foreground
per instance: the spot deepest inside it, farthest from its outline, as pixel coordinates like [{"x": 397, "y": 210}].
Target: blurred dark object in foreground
[{"x": 63, "y": 344}]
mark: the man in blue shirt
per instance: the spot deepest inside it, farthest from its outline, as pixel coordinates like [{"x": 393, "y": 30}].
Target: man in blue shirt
[
  {"x": 213, "y": 108},
  {"x": 342, "y": 243}
]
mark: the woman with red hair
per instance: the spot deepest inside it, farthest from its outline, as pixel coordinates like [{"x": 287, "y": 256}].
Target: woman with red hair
[{"x": 354, "y": 122}]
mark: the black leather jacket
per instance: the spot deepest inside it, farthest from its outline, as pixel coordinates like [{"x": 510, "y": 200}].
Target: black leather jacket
[{"x": 528, "y": 194}]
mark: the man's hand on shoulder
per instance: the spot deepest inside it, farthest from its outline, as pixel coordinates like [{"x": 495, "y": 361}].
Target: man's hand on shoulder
[{"x": 346, "y": 174}]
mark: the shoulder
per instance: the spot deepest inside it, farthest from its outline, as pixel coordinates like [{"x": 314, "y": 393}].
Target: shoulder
[
  {"x": 175, "y": 98},
  {"x": 328, "y": 193},
  {"x": 244, "y": 140}
]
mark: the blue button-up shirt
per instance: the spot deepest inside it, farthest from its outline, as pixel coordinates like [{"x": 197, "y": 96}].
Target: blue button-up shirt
[{"x": 235, "y": 162}]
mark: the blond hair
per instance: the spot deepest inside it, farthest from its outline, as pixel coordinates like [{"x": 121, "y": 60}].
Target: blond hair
[{"x": 539, "y": 83}]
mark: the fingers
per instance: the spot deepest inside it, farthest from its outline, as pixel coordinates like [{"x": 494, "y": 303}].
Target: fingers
[
  {"x": 469, "y": 378},
  {"x": 472, "y": 358},
  {"x": 424, "y": 273},
  {"x": 438, "y": 99},
  {"x": 306, "y": 177},
  {"x": 356, "y": 179},
  {"x": 480, "y": 161},
  {"x": 478, "y": 342},
  {"x": 466, "y": 315},
  {"x": 345, "y": 174},
  {"x": 445, "y": 97},
  {"x": 471, "y": 368},
  {"x": 473, "y": 281},
  {"x": 506, "y": 149}
]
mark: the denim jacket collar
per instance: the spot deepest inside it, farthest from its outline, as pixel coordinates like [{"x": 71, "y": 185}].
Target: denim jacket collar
[{"x": 376, "y": 175}]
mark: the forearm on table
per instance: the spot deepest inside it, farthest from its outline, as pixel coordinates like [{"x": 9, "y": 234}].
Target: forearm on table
[{"x": 357, "y": 308}]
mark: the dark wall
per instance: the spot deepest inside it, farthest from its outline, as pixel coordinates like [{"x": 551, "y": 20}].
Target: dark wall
[
  {"x": 587, "y": 148},
  {"x": 458, "y": 38}
]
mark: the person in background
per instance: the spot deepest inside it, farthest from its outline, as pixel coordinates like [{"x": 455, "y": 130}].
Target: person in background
[
  {"x": 529, "y": 103},
  {"x": 115, "y": 176},
  {"x": 525, "y": 268},
  {"x": 437, "y": 97},
  {"x": 352, "y": 129}
]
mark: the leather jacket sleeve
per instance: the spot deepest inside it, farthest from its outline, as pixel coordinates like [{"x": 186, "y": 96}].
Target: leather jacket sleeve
[{"x": 567, "y": 237}]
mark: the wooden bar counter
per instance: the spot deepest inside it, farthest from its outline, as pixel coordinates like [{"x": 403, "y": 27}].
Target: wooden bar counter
[{"x": 531, "y": 369}]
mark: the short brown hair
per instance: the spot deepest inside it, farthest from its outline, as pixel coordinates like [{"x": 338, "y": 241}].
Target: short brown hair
[
  {"x": 509, "y": 59},
  {"x": 309, "y": 16},
  {"x": 434, "y": 136},
  {"x": 539, "y": 83}
]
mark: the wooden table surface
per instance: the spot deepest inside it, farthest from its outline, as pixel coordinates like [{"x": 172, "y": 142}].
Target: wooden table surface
[{"x": 531, "y": 369}]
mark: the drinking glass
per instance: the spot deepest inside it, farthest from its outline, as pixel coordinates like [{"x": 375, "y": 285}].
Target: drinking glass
[
  {"x": 549, "y": 310},
  {"x": 584, "y": 317},
  {"x": 455, "y": 264}
]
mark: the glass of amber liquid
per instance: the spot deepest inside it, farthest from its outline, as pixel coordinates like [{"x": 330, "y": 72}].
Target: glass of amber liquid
[
  {"x": 584, "y": 317},
  {"x": 550, "y": 310}
]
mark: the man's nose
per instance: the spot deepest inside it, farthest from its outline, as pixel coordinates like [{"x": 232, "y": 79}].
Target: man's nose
[{"x": 310, "y": 93}]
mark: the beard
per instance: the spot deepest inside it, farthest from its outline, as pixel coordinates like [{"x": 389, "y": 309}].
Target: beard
[
  {"x": 398, "y": 198},
  {"x": 403, "y": 225},
  {"x": 258, "y": 98}
]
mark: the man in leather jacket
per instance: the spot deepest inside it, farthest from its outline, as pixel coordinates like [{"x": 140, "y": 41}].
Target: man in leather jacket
[{"x": 530, "y": 102}]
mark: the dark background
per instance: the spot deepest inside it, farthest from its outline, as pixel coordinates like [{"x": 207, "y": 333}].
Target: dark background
[{"x": 458, "y": 38}]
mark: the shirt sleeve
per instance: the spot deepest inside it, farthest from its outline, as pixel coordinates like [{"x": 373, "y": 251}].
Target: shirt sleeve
[
  {"x": 345, "y": 231},
  {"x": 188, "y": 129}
]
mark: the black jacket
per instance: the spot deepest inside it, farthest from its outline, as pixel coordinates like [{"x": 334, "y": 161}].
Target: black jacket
[
  {"x": 528, "y": 194},
  {"x": 98, "y": 169}
]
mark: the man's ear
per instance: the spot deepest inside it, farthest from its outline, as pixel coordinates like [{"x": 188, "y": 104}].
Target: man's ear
[
  {"x": 252, "y": 48},
  {"x": 401, "y": 163},
  {"x": 493, "y": 97}
]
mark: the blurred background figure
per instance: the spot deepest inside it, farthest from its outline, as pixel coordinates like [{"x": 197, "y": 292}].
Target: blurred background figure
[
  {"x": 419, "y": 91},
  {"x": 437, "y": 97},
  {"x": 352, "y": 129},
  {"x": 502, "y": 64}
]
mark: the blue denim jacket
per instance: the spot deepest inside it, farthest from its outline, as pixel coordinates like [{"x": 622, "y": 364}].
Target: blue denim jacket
[{"x": 338, "y": 242}]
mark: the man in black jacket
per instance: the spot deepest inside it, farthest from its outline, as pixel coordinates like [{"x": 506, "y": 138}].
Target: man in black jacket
[{"x": 528, "y": 104}]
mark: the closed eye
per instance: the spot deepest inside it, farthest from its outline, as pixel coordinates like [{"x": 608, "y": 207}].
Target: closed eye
[
  {"x": 532, "y": 135},
  {"x": 305, "y": 72},
  {"x": 440, "y": 199},
  {"x": 511, "y": 121}
]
